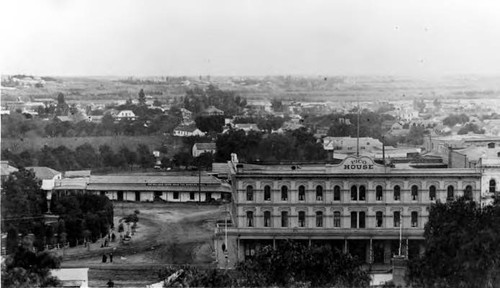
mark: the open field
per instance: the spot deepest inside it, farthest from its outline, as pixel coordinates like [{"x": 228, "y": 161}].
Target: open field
[
  {"x": 173, "y": 233},
  {"x": 314, "y": 88}
]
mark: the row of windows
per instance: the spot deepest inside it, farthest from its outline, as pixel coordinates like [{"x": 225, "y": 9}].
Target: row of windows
[
  {"x": 358, "y": 219},
  {"x": 357, "y": 193}
]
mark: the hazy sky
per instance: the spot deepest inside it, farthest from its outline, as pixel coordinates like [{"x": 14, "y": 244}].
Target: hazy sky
[{"x": 253, "y": 37}]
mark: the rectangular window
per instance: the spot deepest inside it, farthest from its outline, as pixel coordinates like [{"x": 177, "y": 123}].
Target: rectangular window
[
  {"x": 302, "y": 219},
  {"x": 354, "y": 220},
  {"x": 336, "y": 219},
  {"x": 414, "y": 219},
  {"x": 379, "y": 219},
  {"x": 362, "y": 223},
  {"x": 336, "y": 193},
  {"x": 397, "y": 218},
  {"x": 319, "y": 219},
  {"x": 191, "y": 195},
  {"x": 249, "y": 218},
  {"x": 176, "y": 195},
  {"x": 267, "y": 219},
  {"x": 284, "y": 219}
]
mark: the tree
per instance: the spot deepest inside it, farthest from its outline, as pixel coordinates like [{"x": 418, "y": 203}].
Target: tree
[
  {"x": 470, "y": 127},
  {"x": 204, "y": 160},
  {"x": 146, "y": 158},
  {"x": 183, "y": 159},
  {"x": 85, "y": 156},
  {"x": 416, "y": 135},
  {"x": 107, "y": 155},
  {"x": 293, "y": 263},
  {"x": 455, "y": 119},
  {"x": 461, "y": 247},
  {"x": 142, "y": 97},
  {"x": 62, "y": 107},
  {"x": 210, "y": 123},
  {"x": 26, "y": 268}
]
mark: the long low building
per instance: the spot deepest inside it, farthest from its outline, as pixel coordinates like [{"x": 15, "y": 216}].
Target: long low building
[
  {"x": 148, "y": 188},
  {"x": 357, "y": 206},
  {"x": 159, "y": 187}
]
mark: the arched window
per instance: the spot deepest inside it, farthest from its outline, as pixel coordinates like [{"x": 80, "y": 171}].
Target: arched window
[
  {"x": 451, "y": 193},
  {"x": 336, "y": 193},
  {"x": 302, "y": 193},
  {"x": 267, "y": 218},
  {"x": 354, "y": 219},
  {"x": 354, "y": 193},
  {"x": 284, "y": 219},
  {"x": 362, "y": 223},
  {"x": 397, "y": 193},
  {"x": 302, "y": 219},
  {"x": 319, "y": 219},
  {"x": 379, "y": 193},
  {"x": 284, "y": 193},
  {"x": 397, "y": 218},
  {"x": 432, "y": 193},
  {"x": 249, "y": 193},
  {"x": 414, "y": 192},
  {"x": 379, "y": 219},
  {"x": 336, "y": 219},
  {"x": 267, "y": 193},
  {"x": 362, "y": 193},
  {"x": 414, "y": 219},
  {"x": 249, "y": 218},
  {"x": 493, "y": 186},
  {"x": 319, "y": 193},
  {"x": 468, "y": 192}
]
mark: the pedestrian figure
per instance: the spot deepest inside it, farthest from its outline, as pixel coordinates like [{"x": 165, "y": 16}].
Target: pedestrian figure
[
  {"x": 104, "y": 258},
  {"x": 110, "y": 283},
  {"x": 105, "y": 242},
  {"x": 111, "y": 257},
  {"x": 113, "y": 237}
]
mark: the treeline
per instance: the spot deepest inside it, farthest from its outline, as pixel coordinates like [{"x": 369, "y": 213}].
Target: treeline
[
  {"x": 198, "y": 99},
  {"x": 296, "y": 145},
  {"x": 82, "y": 217},
  {"x": 84, "y": 156},
  {"x": 16, "y": 125}
]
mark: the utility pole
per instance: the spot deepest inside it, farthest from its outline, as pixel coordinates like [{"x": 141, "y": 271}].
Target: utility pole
[
  {"x": 400, "y": 231},
  {"x": 199, "y": 183},
  {"x": 357, "y": 138}
]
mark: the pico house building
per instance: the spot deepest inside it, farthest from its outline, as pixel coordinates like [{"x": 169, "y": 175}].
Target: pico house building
[{"x": 357, "y": 206}]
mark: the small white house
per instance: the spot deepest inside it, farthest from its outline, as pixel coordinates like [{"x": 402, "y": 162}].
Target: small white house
[
  {"x": 186, "y": 131},
  {"x": 125, "y": 114},
  {"x": 200, "y": 148},
  {"x": 72, "y": 277}
]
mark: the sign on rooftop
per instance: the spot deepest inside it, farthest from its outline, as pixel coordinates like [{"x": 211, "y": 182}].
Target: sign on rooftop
[{"x": 357, "y": 165}]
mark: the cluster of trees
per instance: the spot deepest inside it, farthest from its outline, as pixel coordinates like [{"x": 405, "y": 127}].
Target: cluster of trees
[
  {"x": 455, "y": 119},
  {"x": 23, "y": 204},
  {"x": 470, "y": 127},
  {"x": 296, "y": 145},
  {"x": 84, "y": 156},
  {"x": 291, "y": 264},
  {"x": 198, "y": 99},
  {"x": 461, "y": 247},
  {"x": 266, "y": 123},
  {"x": 26, "y": 268}
]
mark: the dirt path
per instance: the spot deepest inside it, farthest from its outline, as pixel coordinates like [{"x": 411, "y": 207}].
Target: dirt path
[{"x": 166, "y": 234}]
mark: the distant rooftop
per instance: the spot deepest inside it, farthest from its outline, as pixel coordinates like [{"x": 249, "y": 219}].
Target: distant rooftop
[{"x": 44, "y": 173}]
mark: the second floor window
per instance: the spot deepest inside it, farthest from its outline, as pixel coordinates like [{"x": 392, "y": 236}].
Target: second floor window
[
  {"x": 468, "y": 192},
  {"x": 397, "y": 193},
  {"x": 284, "y": 193},
  {"x": 336, "y": 219},
  {"x": 319, "y": 219},
  {"x": 414, "y": 192},
  {"x": 354, "y": 193},
  {"x": 362, "y": 193},
  {"x": 336, "y": 193},
  {"x": 362, "y": 223},
  {"x": 249, "y": 193},
  {"x": 379, "y": 193},
  {"x": 414, "y": 219},
  {"x": 319, "y": 193},
  {"x": 249, "y": 218},
  {"x": 432, "y": 193},
  {"x": 267, "y": 218},
  {"x": 284, "y": 219},
  {"x": 267, "y": 193},
  {"x": 397, "y": 218},
  {"x": 354, "y": 219},
  {"x": 379, "y": 219},
  {"x": 302, "y": 219},
  {"x": 302, "y": 193}
]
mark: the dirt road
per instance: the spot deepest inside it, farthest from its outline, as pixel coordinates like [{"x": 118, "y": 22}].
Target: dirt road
[{"x": 166, "y": 234}]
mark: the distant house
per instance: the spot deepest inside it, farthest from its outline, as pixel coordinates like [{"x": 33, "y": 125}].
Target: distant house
[
  {"x": 124, "y": 114},
  {"x": 387, "y": 124},
  {"x": 187, "y": 116},
  {"x": 348, "y": 145},
  {"x": 6, "y": 170},
  {"x": 187, "y": 130},
  {"x": 48, "y": 177},
  {"x": 200, "y": 148},
  {"x": 247, "y": 127},
  {"x": 212, "y": 111},
  {"x": 95, "y": 118}
]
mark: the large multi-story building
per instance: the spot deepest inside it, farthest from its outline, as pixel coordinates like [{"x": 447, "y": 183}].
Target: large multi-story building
[{"x": 357, "y": 206}]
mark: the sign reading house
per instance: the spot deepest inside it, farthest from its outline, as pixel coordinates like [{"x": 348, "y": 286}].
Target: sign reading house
[{"x": 358, "y": 165}]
